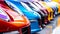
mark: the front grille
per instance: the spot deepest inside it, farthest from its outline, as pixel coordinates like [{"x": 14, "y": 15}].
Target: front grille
[{"x": 25, "y": 30}]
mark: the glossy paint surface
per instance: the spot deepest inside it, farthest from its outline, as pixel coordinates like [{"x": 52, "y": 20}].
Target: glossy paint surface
[{"x": 15, "y": 22}]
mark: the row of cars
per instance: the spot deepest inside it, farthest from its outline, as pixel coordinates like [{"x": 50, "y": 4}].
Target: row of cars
[{"x": 26, "y": 17}]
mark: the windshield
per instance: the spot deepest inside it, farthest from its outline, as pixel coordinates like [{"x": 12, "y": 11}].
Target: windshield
[
  {"x": 14, "y": 8},
  {"x": 26, "y": 6},
  {"x": 3, "y": 15}
]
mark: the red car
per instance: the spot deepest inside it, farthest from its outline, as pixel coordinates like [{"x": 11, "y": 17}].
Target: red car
[
  {"x": 16, "y": 22},
  {"x": 44, "y": 10}
]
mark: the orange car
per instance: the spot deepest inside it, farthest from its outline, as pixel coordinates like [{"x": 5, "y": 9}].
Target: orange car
[{"x": 16, "y": 22}]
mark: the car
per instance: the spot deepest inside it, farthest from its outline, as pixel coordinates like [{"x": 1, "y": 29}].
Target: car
[
  {"x": 17, "y": 21},
  {"x": 58, "y": 4},
  {"x": 50, "y": 16},
  {"x": 33, "y": 17},
  {"x": 43, "y": 10},
  {"x": 29, "y": 9},
  {"x": 54, "y": 6},
  {"x": 36, "y": 9}
]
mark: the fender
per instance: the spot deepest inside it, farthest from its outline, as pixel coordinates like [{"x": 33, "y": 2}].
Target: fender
[{"x": 28, "y": 14}]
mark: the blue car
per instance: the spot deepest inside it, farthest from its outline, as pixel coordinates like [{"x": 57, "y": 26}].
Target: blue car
[
  {"x": 32, "y": 16},
  {"x": 31, "y": 6}
]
